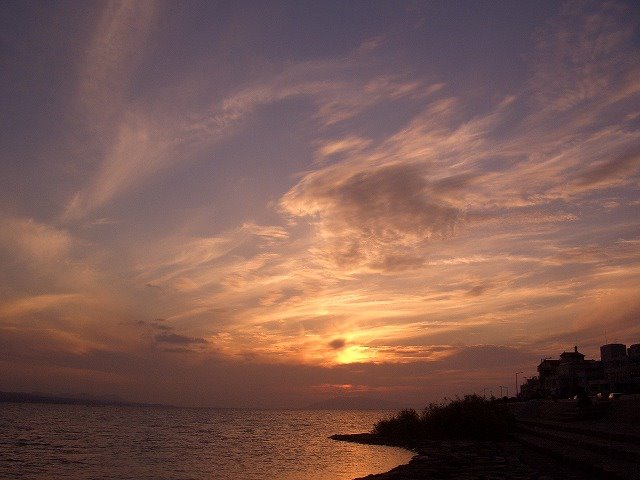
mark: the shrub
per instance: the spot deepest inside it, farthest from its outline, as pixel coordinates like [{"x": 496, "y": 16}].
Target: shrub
[
  {"x": 405, "y": 425},
  {"x": 471, "y": 417}
]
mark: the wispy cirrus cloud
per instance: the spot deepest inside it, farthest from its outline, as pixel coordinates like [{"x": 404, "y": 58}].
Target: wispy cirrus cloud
[
  {"x": 110, "y": 60},
  {"x": 582, "y": 57},
  {"x": 29, "y": 305},
  {"x": 29, "y": 239},
  {"x": 426, "y": 228},
  {"x": 142, "y": 138}
]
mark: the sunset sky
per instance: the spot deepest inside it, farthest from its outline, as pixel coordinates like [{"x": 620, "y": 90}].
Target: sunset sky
[{"x": 274, "y": 203}]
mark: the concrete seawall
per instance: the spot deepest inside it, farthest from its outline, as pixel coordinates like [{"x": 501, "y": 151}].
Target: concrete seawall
[
  {"x": 601, "y": 439},
  {"x": 625, "y": 410}
]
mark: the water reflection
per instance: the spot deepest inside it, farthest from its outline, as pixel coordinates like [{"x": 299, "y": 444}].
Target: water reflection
[{"x": 73, "y": 442}]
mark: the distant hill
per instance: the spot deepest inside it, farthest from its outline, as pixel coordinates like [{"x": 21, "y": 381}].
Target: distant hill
[
  {"x": 82, "y": 399},
  {"x": 355, "y": 403}
]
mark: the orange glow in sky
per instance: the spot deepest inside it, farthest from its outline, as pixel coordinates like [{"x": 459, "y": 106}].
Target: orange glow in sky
[{"x": 232, "y": 205}]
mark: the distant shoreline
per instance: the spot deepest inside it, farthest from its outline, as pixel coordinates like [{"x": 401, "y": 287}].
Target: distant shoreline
[{"x": 20, "y": 397}]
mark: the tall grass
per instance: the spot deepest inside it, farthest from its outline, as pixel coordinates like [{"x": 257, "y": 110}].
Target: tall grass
[{"x": 471, "y": 417}]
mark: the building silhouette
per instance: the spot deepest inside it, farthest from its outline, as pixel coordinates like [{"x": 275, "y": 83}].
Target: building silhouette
[{"x": 618, "y": 370}]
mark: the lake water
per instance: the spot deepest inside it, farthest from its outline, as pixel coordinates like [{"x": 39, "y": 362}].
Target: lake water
[{"x": 89, "y": 442}]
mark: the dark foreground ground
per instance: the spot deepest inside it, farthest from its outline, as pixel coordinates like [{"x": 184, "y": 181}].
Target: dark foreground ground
[
  {"x": 481, "y": 460},
  {"x": 583, "y": 452}
]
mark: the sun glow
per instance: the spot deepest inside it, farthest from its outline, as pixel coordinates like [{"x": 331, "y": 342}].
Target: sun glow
[{"x": 355, "y": 354}]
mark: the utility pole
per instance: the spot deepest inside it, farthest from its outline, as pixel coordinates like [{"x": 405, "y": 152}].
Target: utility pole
[{"x": 501, "y": 387}]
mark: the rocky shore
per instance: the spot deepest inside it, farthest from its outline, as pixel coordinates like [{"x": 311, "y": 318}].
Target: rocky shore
[
  {"x": 553, "y": 440},
  {"x": 467, "y": 460}
]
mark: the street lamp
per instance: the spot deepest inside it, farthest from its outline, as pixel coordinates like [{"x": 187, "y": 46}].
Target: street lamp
[
  {"x": 517, "y": 373},
  {"x": 501, "y": 387}
]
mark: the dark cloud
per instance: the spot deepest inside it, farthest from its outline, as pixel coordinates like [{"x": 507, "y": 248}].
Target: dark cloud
[
  {"x": 488, "y": 356},
  {"x": 375, "y": 216},
  {"x": 392, "y": 201},
  {"x": 455, "y": 183},
  {"x": 176, "y": 339},
  {"x": 166, "y": 328},
  {"x": 477, "y": 290},
  {"x": 178, "y": 350},
  {"x": 157, "y": 324},
  {"x": 44, "y": 348},
  {"x": 337, "y": 344},
  {"x": 396, "y": 263}
]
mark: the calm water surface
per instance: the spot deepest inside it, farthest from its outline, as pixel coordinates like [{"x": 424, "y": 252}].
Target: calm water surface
[{"x": 82, "y": 442}]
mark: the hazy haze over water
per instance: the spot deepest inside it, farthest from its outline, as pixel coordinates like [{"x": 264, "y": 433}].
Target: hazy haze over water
[{"x": 78, "y": 442}]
